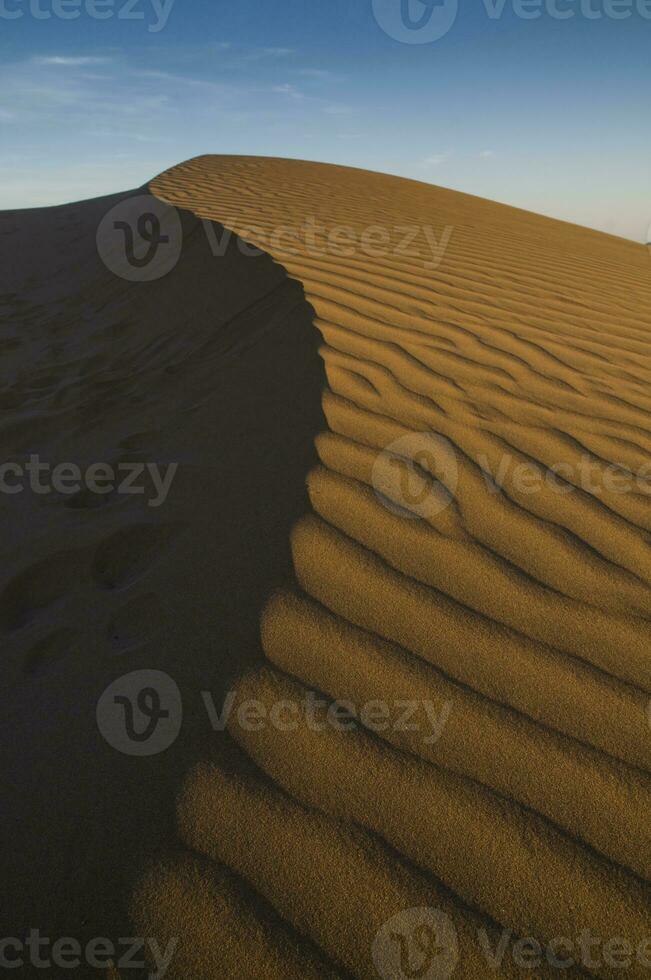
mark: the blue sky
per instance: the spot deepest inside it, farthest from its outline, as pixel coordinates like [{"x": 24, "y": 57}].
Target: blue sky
[{"x": 545, "y": 113}]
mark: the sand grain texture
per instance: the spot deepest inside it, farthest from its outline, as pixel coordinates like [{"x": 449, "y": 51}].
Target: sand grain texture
[{"x": 524, "y": 614}]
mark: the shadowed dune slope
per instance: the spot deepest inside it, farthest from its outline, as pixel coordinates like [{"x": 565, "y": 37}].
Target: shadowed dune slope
[
  {"x": 216, "y": 372},
  {"x": 478, "y": 542}
]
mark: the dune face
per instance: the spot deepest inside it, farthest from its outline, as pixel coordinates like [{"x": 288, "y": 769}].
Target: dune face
[
  {"x": 424, "y": 572},
  {"x": 478, "y": 543}
]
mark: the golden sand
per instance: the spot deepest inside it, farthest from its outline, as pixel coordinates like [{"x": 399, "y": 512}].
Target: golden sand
[{"x": 523, "y": 616}]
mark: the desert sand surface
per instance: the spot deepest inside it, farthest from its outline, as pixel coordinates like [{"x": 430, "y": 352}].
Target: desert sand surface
[{"x": 363, "y": 510}]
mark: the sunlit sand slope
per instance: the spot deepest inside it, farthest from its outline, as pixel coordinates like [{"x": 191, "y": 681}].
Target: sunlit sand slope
[{"x": 471, "y": 547}]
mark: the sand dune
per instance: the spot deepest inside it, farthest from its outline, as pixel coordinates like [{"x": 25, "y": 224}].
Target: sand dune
[
  {"x": 524, "y": 615},
  {"x": 433, "y": 522}
]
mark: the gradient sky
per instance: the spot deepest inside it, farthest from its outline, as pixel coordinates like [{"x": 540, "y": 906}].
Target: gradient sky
[{"x": 546, "y": 114}]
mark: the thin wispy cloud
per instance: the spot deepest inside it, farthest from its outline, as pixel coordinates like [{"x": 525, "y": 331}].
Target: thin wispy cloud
[
  {"x": 173, "y": 78},
  {"x": 288, "y": 90},
  {"x": 487, "y": 154},
  {"x": 275, "y": 52},
  {"x": 40, "y": 94},
  {"x": 66, "y": 61},
  {"x": 318, "y": 103},
  {"x": 68, "y": 92},
  {"x": 320, "y": 73}
]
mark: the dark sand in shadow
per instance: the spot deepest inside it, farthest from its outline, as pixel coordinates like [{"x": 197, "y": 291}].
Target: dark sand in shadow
[{"x": 215, "y": 367}]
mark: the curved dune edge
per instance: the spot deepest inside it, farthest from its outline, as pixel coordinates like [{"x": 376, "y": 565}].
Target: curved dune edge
[{"x": 523, "y": 618}]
